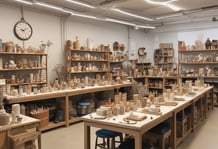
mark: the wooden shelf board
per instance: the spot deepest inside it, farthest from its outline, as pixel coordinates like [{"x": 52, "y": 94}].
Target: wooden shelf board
[
  {"x": 89, "y": 60},
  {"x": 52, "y": 125},
  {"x": 179, "y": 140},
  {"x": 206, "y": 77},
  {"x": 15, "y": 53},
  {"x": 74, "y": 50},
  {"x": 24, "y": 69},
  {"x": 139, "y": 77},
  {"x": 75, "y": 72},
  {"x": 187, "y": 133},
  {"x": 75, "y": 120},
  {"x": 203, "y": 50},
  {"x": 155, "y": 88},
  {"x": 197, "y": 63},
  {"x": 116, "y": 61},
  {"x": 144, "y": 63}
]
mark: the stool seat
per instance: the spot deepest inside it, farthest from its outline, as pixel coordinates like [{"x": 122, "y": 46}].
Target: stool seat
[{"x": 106, "y": 135}]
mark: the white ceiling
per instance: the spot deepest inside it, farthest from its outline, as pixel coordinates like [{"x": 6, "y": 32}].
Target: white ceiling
[{"x": 194, "y": 10}]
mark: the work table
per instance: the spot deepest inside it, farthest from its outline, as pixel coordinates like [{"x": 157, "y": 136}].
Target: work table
[
  {"x": 137, "y": 129},
  {"x": 16, "y": 134}
]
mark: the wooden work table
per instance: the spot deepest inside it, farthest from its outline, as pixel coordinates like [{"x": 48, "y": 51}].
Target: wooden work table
[
  {"x": 17, "y": 133},
  {"x": 137, "y": 129},
  {"x": 63, "y": 95}
]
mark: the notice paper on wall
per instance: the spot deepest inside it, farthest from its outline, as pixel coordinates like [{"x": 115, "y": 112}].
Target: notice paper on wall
[{"x": 132, "y": 49}]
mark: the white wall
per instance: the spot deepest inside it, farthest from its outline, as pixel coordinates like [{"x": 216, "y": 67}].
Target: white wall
[
  {"x": 45, "y": 27},
  {"x": 59, "y": 29},
  {"x": 143, "y": 39},
  {"x": 188, "y": 32}
]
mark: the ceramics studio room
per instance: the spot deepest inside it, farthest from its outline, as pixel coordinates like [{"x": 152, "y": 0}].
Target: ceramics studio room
[{"x": 108, "y": 74}]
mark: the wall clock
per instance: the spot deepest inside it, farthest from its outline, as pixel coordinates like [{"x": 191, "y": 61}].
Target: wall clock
[
  {"x": 141, "y": 55},
  {"x": 141, "y": 51},
  {"x": 157, "y": 56},
  {"x": 23, "y": 30}
]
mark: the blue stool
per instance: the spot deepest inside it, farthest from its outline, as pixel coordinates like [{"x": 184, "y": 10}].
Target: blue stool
[{"x": 106, "y": 135}]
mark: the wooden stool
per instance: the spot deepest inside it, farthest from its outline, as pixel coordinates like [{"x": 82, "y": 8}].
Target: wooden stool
[
  {"x": 159, "y": 136},
  {"x": 106, "y": 135}
]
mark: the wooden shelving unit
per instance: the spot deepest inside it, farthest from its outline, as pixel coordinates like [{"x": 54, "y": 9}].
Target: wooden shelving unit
[
  {"x": 143, "y": 68},
  {"x": 25, "y": 65},
  {"x": 191, "y": 115},
  {"x": 84, "y": 62},
  {"x": 198, "y": 64},
  {"x": 160, "y": 83},
  {"x": 164, "y": 56}
]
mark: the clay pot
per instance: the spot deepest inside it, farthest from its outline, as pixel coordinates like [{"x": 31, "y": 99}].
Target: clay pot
[{"x": 4, "y": 118}]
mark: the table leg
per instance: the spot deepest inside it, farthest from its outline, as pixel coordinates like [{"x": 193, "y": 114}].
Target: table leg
[
  {"x": 87, "y": 138},
  {"x": 173, "y": 131},
  {"x": 138, "y": 141}
]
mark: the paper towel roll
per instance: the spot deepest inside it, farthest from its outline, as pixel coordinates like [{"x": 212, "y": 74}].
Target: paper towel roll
[{"x": 16, "y": 109}]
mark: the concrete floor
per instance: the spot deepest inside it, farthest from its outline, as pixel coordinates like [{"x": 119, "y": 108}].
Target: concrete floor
[{"x": 204, "y": 137}]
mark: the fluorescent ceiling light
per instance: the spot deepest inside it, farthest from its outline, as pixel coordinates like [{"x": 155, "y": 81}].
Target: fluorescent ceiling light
[
  {"x": 67, "y": 11},
  {"x": 173, "y": 7},
  {"x": 49, "y": 6},
  {"x": 166, "y": 3},
  {"x": 120, "y": 22},
  {"x": 169, "y": 16},
  {"x": 80, "y": 3},
  {"x": 143, "y": 26},
  {"x": 84, "y": 15},
  {"x": 25, "y": 2},
  {"x": 128, "y": 23},
  {"x": 130, "y": 14},
  {"x": 160, "y": 3}
]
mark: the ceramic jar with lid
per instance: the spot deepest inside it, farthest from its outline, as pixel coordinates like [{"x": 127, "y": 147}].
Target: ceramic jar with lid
[
  {"x": 76, "y": 44},
  {"x": 10, "y": 46},
  {"x": 4, "y": 117},
  {"x": 208, "y": 44}
]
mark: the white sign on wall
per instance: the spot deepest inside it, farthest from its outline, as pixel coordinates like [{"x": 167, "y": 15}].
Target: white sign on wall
[{"x": 132, "y": 50}]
